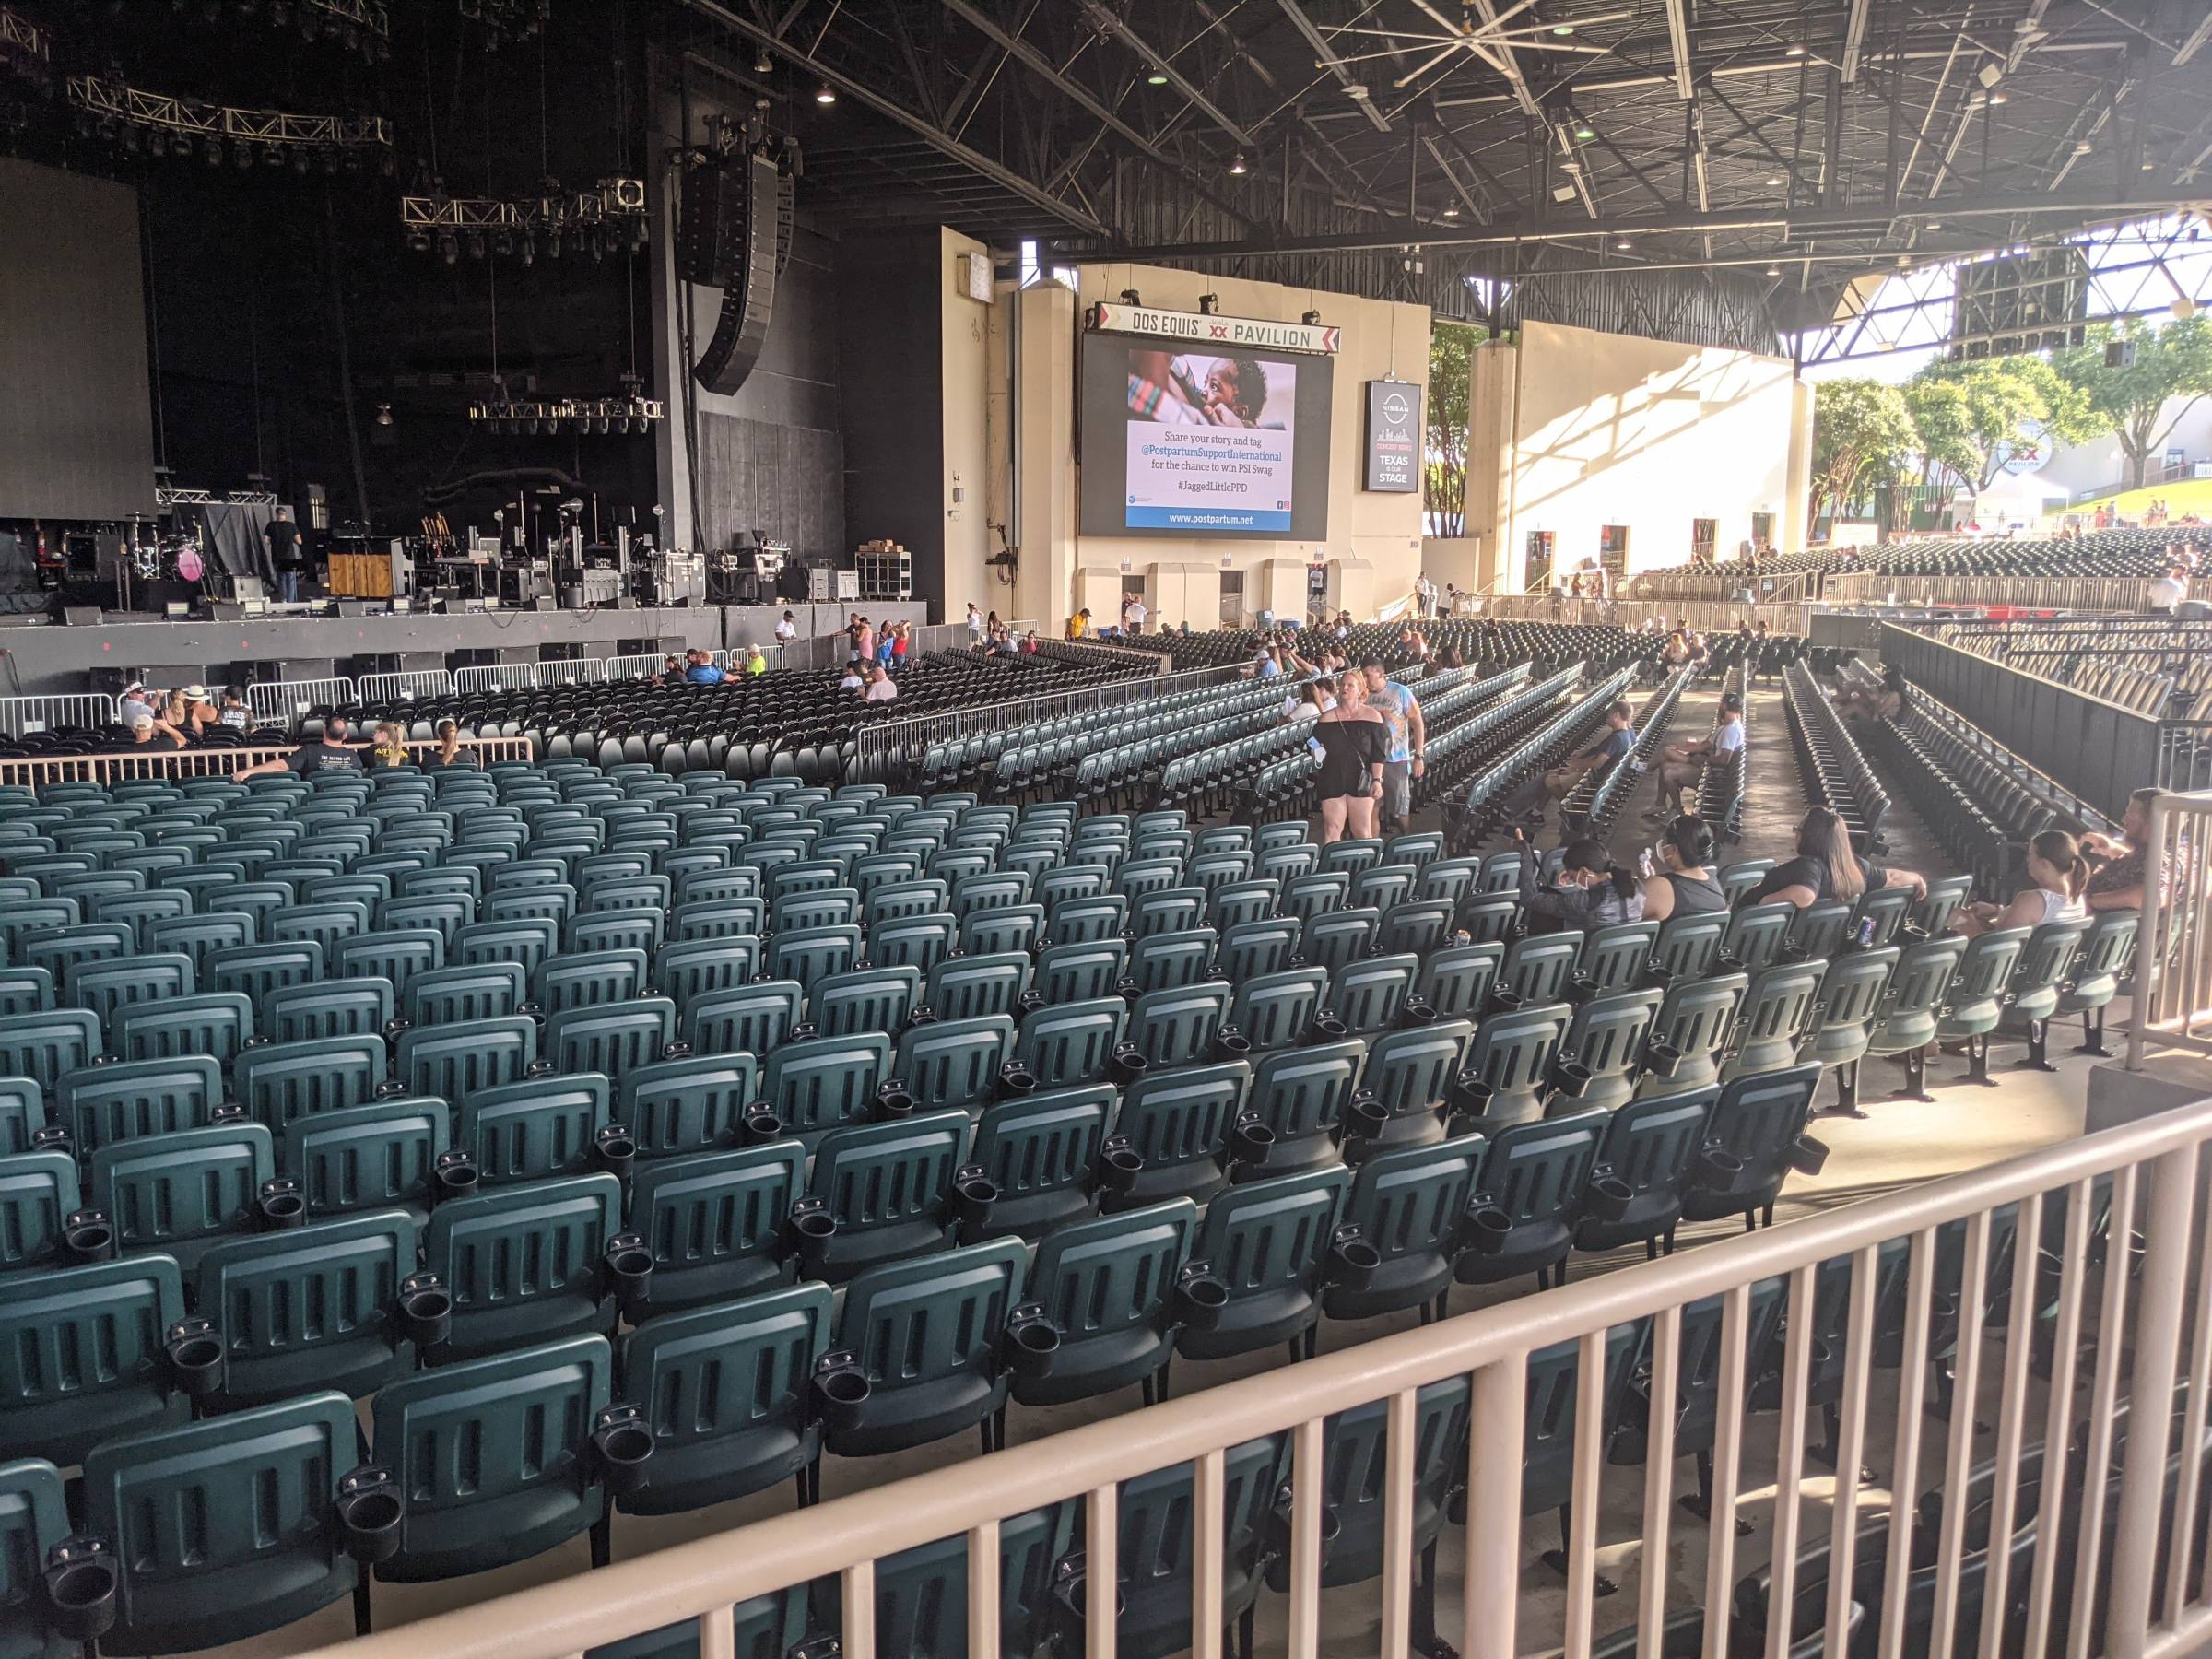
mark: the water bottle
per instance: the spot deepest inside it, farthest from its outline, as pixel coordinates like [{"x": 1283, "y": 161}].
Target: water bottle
[{"x": 1865, "y": 933}]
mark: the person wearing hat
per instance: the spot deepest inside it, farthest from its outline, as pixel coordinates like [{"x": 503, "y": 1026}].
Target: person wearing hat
[
  {"x": 755, "y": 660},
  {"x": 147, "y": 732},
  {"x": 1685, "y": 763},
  {"x": 787, "y": 628},
  {"x": 136, "y": 700},
  {"x": 199, "y": 712}
]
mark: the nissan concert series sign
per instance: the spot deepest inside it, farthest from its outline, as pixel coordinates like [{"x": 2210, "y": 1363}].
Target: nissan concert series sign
[
  {"x": 1199, "y": 329},
  {"x": 1393, "y": 437}
]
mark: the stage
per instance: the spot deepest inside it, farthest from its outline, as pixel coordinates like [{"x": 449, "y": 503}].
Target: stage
[{"x": 43, "y": 659}]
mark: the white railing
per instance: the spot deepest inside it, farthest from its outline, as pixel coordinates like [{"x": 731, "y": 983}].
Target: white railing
[
  {"x": 21, "y": 716},
  {"x": 2172, "y": 1005},
  {"x": 2060, "y": 1569},
  {"x": 1705, "y": 615},
  {"x": 2026, "y": 592},
  {"x": 404, "y": 686},
  {"x": 287, "y": 700},
  {"x": 493, "y": 677},
  {"x": 632, "y": 667},
  {"x": 163, "y": 761}
]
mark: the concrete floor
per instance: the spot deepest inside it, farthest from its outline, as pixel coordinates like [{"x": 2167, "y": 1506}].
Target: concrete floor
[{"x": 1898, "y": 1144}]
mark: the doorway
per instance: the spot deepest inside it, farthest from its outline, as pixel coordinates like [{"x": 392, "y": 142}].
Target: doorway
[
  {"x": 1538, "y": 580},
  {"x": 1613, "y": 554},
  {"x": 1762, "y": 531},
  {"x": 1705, "y": 537}
]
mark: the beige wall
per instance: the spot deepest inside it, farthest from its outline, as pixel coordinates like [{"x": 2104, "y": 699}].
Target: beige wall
[
  {"x": 1382, "y": 533},
  {"x": 1589, "y": 430},
  {"x": 967, "y": 395}
]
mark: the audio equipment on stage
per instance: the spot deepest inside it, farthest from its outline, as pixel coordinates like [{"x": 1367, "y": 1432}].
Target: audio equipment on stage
[
  {"x": 81, "y": 616},
  {"x": 227, "y": 610},
  {"x": 735, "y": 227}
]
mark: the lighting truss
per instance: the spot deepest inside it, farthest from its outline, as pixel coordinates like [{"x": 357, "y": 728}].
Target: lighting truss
[
  {"x": 580, "y": 415},
  {"x": 112, "y": 100},
  {"x": 19, "y": 34},
  {"x": 367, "y": 15},
  {"x": 603, "y": 218},
  {"x": 508, "y": 19},
  {"x": 166, "y": 497}
]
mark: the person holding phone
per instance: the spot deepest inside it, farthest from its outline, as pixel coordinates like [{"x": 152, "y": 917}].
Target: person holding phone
[
  {"x": 1681, "y": 882},
  {"x": 1355, "y": 745}
]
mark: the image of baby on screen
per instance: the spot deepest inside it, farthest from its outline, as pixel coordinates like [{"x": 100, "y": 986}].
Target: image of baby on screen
[{"x": 1239, "y": 390}]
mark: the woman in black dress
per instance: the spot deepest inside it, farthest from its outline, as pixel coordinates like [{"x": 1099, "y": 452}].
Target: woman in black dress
[{"x": 1355, "y": 741}]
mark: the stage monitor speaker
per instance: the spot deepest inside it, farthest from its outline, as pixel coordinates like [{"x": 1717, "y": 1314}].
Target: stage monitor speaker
[
  {"x": 226, "y": 610},
  {"x": 303, "y": 668},
  {"x": 561, "y": 651},
  {"x": 421, "y": 662},
  {"x": 750, "y": 196},
  {"x": 359, "y": 608},
  {"x": 517, "y": 654},
  {"x": 2119, "y": 353},
  {"x": 81, "y": 616}
]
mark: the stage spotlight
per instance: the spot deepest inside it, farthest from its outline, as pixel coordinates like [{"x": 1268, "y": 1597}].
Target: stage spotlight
[
  {"x": 448, "y": 247},
  {"x": 529, "y": 250},
  {"x": 1208, "y": 304},
  {"x": 1774, "y": 270},
  {"x": 1131, "y": 297},
  {"x": 475, "y": 244},
  {"x": 1584, "y": 131},
  {"x": 214, "y": 152},
  {"x": 157, "y": 144},
  {"x": 825, "y": 94},
  {"x": 1622, "y": 242},
  {"x": 1237, "y": 167},
  {"x": 553, "y": 245},
  {"x": 1156, "y": 77},
  {"x": 300, "y": 160},
  {"x": 419, "y": 241},
  {"x": 503, "y": 245},
  {"x": 762, "y": 63},
  {"x": 383, "y": 414},
  {"x": 242, "y": 156},
  {"x": 1451, "y": 210},
  {"x": 330, "y": 162},
  {"x": 1311, "y": 319},
  {"x": 272, "y": 157},
  {"x": 1793, "y": 51}
]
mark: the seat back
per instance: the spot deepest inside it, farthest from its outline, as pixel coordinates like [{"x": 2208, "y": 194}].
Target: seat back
[
  {"x": 101, "y": 1105},
  {"x": 495, "y": 1454},
  {"x": 1271, "y": 1235},
  {"x": 1756, "y": 932},
  {"x": 34, "y": 1517},
  {"x": 1273, "y": 1011},
  {"x": 866, "y": 999},
  {"x": 457, "y": 1063},
  {"x": 534, "y": 1128},
  {"x": 673, "y": 1107},
  {"x": 1651, "y": 1144},
  {"x": 1536, "y": 968},
  {"x": 1758, "y": 1118},
  {"x": 1916, "y": 992},
  {"x": 1608, "y": 1032},
  {"x": 1774, "y": 1014},
  {"x": 286, "y": 1294},
  {"x": 1511, "y": 1051},
  {"x": 915, "y": 1322},
  {"x": 107, "y": 986},
  {"x": 731, "y": 1370},
  {"x": 824, "y": 1083},
  {"x": 1411, "y": 1199},
  {"x": 1153, "y": 1532},
  {"x": 1537, "y": 1171},
  {"x": 1179, "y": 1117},
  {"x": 43, "y": 1045},
  {"x": 2044, "y": 962},
  {"x": 360, "y": 1007},
  {"x": 1043, "y": 1143},
  {"x": 710, "y": 1209},
  {"x": 1887, "y": 908},
  {"x": 366, "y": 1156},
  {"x": 874, "y": 1175},
  {"x": 396, "y": 956},
  {"x": 953, "y": 1063},
  {"x": 1687, "y": 945},
  {"x": 1112, "y": 1273},
  {"x": 1070, "y": 1042},
  {"x": 1408, "y": 1071},
  {"x": 81, "y": 1356},
  {"x": 1080, "y": 972},
  {"x": 745, "y": 1019},
  {"x": 281, "y": 1081},
  {"x": 1548, "y": 1424},
  {"x": 971, "y": 986},
  {"x": 1613, "y": 958},
  {"x": 615, "y": 1039},
  {"x": 1698, "y": 1377},
  {"x": 226, "y": 1528},
  {"x": 1299, "y": 1092},
  {"x": 466, "y": 992},
  {"x": 1177, "y": 1027},
  {"x": 1353, "y": 1467},
  {"x": 1853, "y": 988},
  {"x": 1368, "y": 994},
  {"x": 164, "y": 1192},
  {"x": 539, "y": 1242}
]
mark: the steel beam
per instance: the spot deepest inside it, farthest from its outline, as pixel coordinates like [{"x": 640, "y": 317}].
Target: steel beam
[
  {"x": 1110, "y": 23},
  {"x": 1334, "y": 65}
]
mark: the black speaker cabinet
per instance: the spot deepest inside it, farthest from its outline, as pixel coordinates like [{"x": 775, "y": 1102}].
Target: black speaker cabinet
[
  {"x": 81, "y": 616},
  {"x": 561, "y": 651},
  {"x": 226, "y": 610},
  {"x": 747, "y": 194}
]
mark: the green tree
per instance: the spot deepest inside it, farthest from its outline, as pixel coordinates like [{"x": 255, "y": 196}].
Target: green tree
[
  {"x": 1863, "y": 435},
  {"x": 2141, "y": 404},
  {"x": 1971, "y": 415},
  {"x": 1445, "y": 473}
]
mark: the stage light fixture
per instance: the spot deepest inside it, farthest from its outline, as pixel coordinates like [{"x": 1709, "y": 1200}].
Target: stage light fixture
[
  {"x": 2082, "y": 146},
  {"x": 762, "y": 63},
  {"x": 448, "y": 248},
  {"x": 1998, "y": 97},
  {"x": 529, "y": 250},
  {"x": 1793, "y": 50},
  {"x": 299, "y": 161},
  {"x": 1237, "y": 167},
  {"x": 1584, "y": 131},
  {"x": 1156, "y": 77},
  {"x": 475, "y": 244},
  {"x": 1208, "y": 304},
  {"x": 243, "y": 157},
  {"x": 825, "y": 94},
  {"x": 1773, "y": 270},
  {"x": 1311, "y": 319},
  {"x": 1131, "y": 297},
  {"x": 156, "y": 143},
  {"x": 1775, "y": 181},
  {"x": 503, "y": 245},
  {"x": 383, "y": 414},
  {"x": 419, "y": 241},
  {"x": 1562, "y": 29},
  {"x": 1622, "y": 243}
]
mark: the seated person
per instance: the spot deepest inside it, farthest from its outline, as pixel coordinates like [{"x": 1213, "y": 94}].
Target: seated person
[
  {"x": 448, "y": 755},
  {"x": 882, "y": 687},
  {"x": 387, "y": 747},
  {"x": 1826, "y": 867},
  {"x": 1685, "y": 763},
  {"x": 1600, "y": 758},
  {"x": 2118, "y": 861},
  {"x": 2056, "y": 875},
  {"x": 853, "y": 680},
  {"x": 1588, "y": 893},
  {"x": 1886, "y": 702},
  {"x": 149, "y": 732},
  {"x": 702, "y": 671},
  {"x": 1685, "y": 885}
]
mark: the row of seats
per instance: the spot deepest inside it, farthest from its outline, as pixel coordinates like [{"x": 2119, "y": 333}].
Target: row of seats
[
  {"x": 1500, "y": 787},
  {"x": 1724, "y": 780},
  {"x": 1835, "y": 773},
  {"x": 1597, "y": 801},
  {"x": 2098, "y": 553}
]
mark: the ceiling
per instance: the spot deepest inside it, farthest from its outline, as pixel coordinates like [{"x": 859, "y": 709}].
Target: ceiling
[{"x": 1404, "y": 147}]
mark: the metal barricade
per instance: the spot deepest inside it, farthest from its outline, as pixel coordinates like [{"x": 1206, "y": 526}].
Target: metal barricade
[
  {"x": 163, "y": 761},
  {"x": 22, "y": 716},
  {"x": 376, "y": 689},
  {"x": 287, "y": 700},
  {"x": 643, "y": 666},
  {"x": 483, "y": 676}
]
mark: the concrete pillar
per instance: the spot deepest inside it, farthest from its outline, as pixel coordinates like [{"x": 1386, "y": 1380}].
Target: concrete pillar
[
  {"x": 1045, "y": 411},
  {"x": 1797, "y": 492},
  {"x": 1352, "y": 588},
  {"x": 1492, "y": 427}
]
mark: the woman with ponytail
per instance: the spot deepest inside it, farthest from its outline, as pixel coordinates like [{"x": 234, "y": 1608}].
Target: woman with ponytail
[
  {"x": 2057, "y": 873},
  {"x": 1588, "y": 892},
  {"x": 1685, "y": 885}
]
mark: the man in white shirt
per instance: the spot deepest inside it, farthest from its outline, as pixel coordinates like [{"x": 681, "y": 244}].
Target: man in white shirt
[
  {"x": 787, "y": 629},
  {"x": 1134, "y": 614},
  {"x": 851, "y": 682},
  {"x": 882, "y": 687},
  {"x": 2169, "y": 591},
  {"x": 1685, "y": 763}
]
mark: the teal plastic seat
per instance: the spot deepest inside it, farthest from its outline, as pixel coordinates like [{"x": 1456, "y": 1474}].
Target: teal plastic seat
[
  {"x": 1549, "y": 1422},
  {"x": 349, "y": 1008},
  {"x": 1276, "y": 1011},
  {"x": 1905, "y": 1023},
  {"x": 256, "y": 969},
  {"x": 973, "y": 987},
  {"x": 612, "y": 1039},
  {"x": 1107, "y": 1284},
  {"x": 953, "y": 1063},
  {"x": 818, "y": 1084},
  {"x": 1407, "y": 1077},
  {"x": 728, "y": 1396},
  {"x": 1771, "y": 1023},
  {"x": 468, "y": 991},
  {"x": 39, "y": 1191},
  {"x": 310, "y": 1306},
  {"x": 81, "y": 1357},
  {"x": 1756, "y": 1122},
  {"x": 181, "y": 1192},
  {"x": 1887, "y": 908},
  {"x": 814, "y": 953},
  {"x": 43, "y": 1045},
  {"x": 458, "y": 1061},
  {"x": 328, "y": 925},
  {"x": 1407, "y": 1204},
  {"x": 1070, "y": 1042},
  {"x": 745, "y": 1019},
  {"x": 927, "y": 1334},
  {"x": 199, "y": 937},
  {"x": 1605, "y": 1039},
  {"x": 1851, "y": 996},
  {"x": 535, "y": 1127},
  {"x": 1755, "y": 935},
  {"x": 214, "y": 1023},
  {"x": 692, "y": 1104},
  {"x": 1042, "y": 1152},
  {"x": 1330, "y": 941},
  {"x": 1088, "y": 921},
  {"x": 1300, "y": 1096},
  {"x": 101, "y": 1105},
  {"x": 866, "y": 999},
  {"x": 716, "y": 1223},
  {"x": 495, "y": 1458},
  {"x": 22, "y": 1114},
  {"x": 888, "y": 1189},
  {"x": 225, "y": 1529},
  {"x": 1179, "y": 1122},
  {"x": 1819, "y": 929},
  {"x": 523, "y": 1264},
  {"x": 1511, "y": 1054},
  {"x": 1537, "y": 968},
  {"x": 372, "y": 1155},
  {"x": 1613, "y": 958},
  {"x": 34, "y": 1517},
  {"x": 1651, "y": 1149},
  {"x": 642, "y": 930},
  {"x": 2032, "y": 995},
  {"x": 1368, "y": 994},
  {"x": 688, "y": 969},
  {"x": 2093, "y": 981},
  {"x": 108, "y": 986},
  {"x": 1489, "y": 917},
  {"x": 1152, "y": 1550},
  {"x": 1164, "y": 961},
  {"x": 1693, "y": 1022},
  {"x": 1456, "y": 980},
  {"x": 909, "y": 941},
  {"x": 1177, "y": 1027},
  {"x": 1534, "y": 1176},
  {"x": 1268, "y": 1242},
  {"x": 1687, "y": 945},
  {"x": 921, "y": 1603},
  {"x": 587, "y": 978},
  {"x": 393, "y": 957}
]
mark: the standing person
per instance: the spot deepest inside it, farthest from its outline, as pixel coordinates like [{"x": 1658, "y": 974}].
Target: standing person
[
  {"x": 1406, "y": 758},
  {"x": 900, "y": 635},
  {"x": 2169, "y": 591},
  {"x": 1133, "y": 613},
  {"x": 285, "y": 553},
  {"x": 328, "y": 753},
  {"x": 787, "y": 629},
  {"x": 1079, "y": 625},
  {"x": 1355, "y": 745},
  {"x": 865, "y": 640},
  {"x": 975, "y": 624}
]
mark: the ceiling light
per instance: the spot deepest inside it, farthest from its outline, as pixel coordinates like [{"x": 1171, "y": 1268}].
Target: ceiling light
[
  {"x": 2149, "y": 165},
  {"x": 1156, "y": 77},
  {"x": 1573, "y": 166},
  {"x": 383, "y": 415},
  {"x": 1793, "y": 51},
  {"x": 1358, "y": 89},
  {"x": 1933, "y": 224},
  {"x": 1999, "y": 98},
  {"x": 1622, "y": 243},
  {"x": 1451, "y": 209},
  {"x": 1776, "y": 182},
  {"x": 1562, "y": 29},
  {"x": 1584, "y": 130},
  {"x": 1563, "y": 192},
  {"x": 762, "y": 63},
  {"x": 2082, "y": 146},
  {"x": 1237, "y": 167},
  {"x": 825, "y": 94}
]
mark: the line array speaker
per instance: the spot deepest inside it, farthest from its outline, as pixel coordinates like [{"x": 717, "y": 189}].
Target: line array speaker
[{"x": 739, "y": 244}]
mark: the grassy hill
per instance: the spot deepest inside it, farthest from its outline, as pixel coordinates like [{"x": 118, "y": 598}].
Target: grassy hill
[{"x": 2191, "y": 495}]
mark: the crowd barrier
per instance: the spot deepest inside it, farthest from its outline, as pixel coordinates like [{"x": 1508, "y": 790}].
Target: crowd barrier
[
  {"x": 2113, "y": 1574},
  {"x": 21, "y": 716},
  {"x": 2021, "y": 593},
  {"x": 1704, "y": 616},
  {"x": 163, "y": 761}
]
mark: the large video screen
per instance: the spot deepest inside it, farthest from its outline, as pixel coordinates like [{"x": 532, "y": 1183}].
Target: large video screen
[
  {"x": 1178, "y": 441},
  {"x": 76, "y": 428}
]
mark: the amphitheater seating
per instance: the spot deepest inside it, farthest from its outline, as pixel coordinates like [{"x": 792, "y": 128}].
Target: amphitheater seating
[
  {"x": 591, "y": 1080},
  {"x": 2103, "y": 553},
  {"x": 1836, "y": 773}
]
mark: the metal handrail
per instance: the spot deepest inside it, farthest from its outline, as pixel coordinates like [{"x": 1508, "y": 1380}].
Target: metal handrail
[
  {"x": 700, "y": 1579},
  {"x": 2172, "y": 1004},
  {"x": 168, "y": 762},
  {"x": 21, "y": 716}
]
